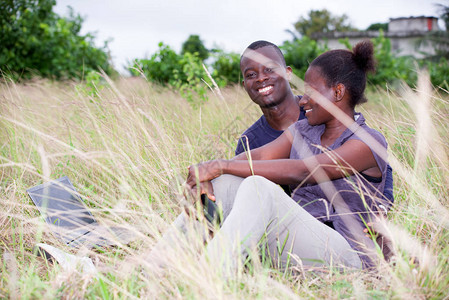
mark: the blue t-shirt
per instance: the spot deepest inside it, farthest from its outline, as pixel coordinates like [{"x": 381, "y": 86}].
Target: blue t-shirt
[{"x": 261, "y": 133}]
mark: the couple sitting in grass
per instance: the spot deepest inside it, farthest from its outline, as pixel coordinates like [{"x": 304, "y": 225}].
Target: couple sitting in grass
[{"x": 334, "y": 165}]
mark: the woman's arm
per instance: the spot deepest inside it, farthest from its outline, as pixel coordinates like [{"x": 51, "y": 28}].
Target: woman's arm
[
  {"x": 352, "y": 156},
  {"x": 277, "y": 149}
]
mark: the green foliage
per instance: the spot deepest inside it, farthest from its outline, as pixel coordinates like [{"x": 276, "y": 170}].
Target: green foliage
[
  {"x": 377, "y": 27},
  {"x": 226, "y": 68},
  {"x": 438, "y": 71},
  {"x": 183, "y": 72},
  {"x": 191, "y": 82},
  {"x": 35, "y": 40},
  {"x": 194, "y": 45},
  {"x": 92, "y": 85},
  {"x": 160, "y": 67},
  {"x": 299, "y": 54},
  {"x": 322, "y": 21},
  {"x": 391, "y": 68}
]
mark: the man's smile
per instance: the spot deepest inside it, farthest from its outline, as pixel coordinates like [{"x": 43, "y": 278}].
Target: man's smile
[{"x": 265, "y": 90}]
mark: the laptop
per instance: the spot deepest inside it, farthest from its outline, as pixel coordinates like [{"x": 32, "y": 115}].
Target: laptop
[{"x": 69, "y": 219}]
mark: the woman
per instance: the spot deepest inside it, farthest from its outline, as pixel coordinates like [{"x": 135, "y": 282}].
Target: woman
[{"x": 333, "y": 160}]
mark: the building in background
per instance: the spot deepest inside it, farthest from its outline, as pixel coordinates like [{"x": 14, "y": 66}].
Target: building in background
[{"x": 407, "y": 36}]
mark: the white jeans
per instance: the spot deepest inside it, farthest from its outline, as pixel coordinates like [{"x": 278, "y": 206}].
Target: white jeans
[{"x": 256, "y": 209}]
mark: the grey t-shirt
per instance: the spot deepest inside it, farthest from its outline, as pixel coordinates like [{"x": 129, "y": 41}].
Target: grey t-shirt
[{"x": 344, "y": 203}]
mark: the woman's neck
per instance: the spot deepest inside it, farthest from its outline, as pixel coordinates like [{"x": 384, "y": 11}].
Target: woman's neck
[{"x": 334, "y": 129}]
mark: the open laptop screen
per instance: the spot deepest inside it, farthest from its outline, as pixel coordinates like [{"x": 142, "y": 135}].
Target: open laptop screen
[{"x": 60, "y": 204}]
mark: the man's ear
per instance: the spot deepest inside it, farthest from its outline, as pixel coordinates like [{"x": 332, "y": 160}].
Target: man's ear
[
  {"x": 340, "y": 91},
  {"x": 289, "y": 71}
]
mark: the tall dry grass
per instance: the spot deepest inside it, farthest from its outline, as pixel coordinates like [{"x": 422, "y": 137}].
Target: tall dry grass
[{"x": 126, "y": 148}]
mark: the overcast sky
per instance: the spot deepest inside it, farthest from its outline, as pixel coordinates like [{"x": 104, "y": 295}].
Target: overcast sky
[{"x": 137, "y": 26}]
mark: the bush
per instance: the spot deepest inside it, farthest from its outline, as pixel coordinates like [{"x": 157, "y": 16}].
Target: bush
[
  {"x": 300, "y": 53},
  {"x": 189, "y": 82},
  {"x": 391, "y": 68},
  {"x": 184, "y": 72},
  {"x": 226, "y": 68},
  {"x": 439, "y": 72},
  {"x": 160, "y": 67},
  {"x": 35, "y": 40}
]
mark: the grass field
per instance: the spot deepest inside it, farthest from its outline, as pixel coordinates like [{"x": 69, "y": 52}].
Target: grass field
[{"x": 126, "y": 146}]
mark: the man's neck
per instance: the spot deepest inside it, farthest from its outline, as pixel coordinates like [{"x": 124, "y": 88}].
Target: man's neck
[{"x": 281, "y": 116}]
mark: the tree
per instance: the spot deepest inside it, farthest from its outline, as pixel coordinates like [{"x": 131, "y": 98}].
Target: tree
[
  {"x": 194, "y": 45},
  {"x": 322, "y": 21},
  {"x": 444, "y": 14},
  {"x": 35, "y": 40},
  {"x": 377, "y": 27}
]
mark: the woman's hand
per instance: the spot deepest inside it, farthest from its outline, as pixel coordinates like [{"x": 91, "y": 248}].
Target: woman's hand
[
  {"x": 205, "y": 171},
  {"x": 378, "y": 230}
]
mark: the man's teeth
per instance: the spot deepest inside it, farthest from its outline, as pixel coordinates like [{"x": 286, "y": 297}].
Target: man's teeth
[
  {"x": 307, "y": 110},
  {"x": 265, "y": 89}
]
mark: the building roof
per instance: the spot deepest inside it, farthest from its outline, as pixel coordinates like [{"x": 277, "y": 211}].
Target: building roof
[
  {"x": 408, "y": 18},
  {"x": 367, "y": 34}
]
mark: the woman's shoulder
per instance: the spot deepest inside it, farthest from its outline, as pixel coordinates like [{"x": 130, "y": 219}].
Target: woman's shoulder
[
  {"x": 303, "y": 128},
  {"x": 371, "y": 131}
]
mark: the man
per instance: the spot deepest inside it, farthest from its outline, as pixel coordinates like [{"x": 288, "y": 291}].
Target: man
[
  {"x": 268, "y": 88},
  {"x": 265, "y": 79}
]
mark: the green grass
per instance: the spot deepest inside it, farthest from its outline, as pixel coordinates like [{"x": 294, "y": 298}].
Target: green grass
[{"x": 126, "y": 148}]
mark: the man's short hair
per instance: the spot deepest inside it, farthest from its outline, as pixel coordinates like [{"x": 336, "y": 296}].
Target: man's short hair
[{"x": 260, "y": 44}]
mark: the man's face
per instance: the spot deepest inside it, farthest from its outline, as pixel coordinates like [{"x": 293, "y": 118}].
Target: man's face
[{"x": 265, "y": 77}]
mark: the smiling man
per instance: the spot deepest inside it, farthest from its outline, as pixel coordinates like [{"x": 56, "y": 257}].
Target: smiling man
[{"x": 266, "y": 80}]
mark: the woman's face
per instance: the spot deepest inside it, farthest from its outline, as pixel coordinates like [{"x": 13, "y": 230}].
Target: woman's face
[{"x": 316, "y": 93}]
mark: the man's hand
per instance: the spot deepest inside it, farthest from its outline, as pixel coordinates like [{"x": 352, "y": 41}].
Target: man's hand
[
  {"x": 193, "y": 194},
  {"x": 202, "y": 172},
  {"x": 204, "y": 187}
]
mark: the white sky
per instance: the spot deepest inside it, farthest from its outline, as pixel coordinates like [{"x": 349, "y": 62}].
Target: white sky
[{"x": 137, "y": 26}]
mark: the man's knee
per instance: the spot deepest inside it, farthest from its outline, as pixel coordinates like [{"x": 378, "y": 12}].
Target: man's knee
[
  {"x": 226, "y": 179},
  {"x": 257, "y": 182},
  {"x": 225, "y": 189},
  {"x": 257, "y": 188},
  {"x": 226, "y": 185},
  {"x": 263, "y": 191}
]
